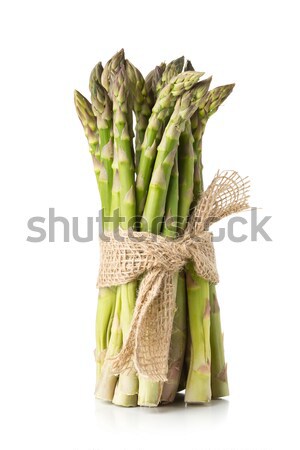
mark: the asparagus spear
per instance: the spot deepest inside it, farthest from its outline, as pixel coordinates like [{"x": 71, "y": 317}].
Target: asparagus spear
[
  {"x": 104, "y": 316},
  {"x": 156, "y": 198},
  {"x": 152, "y": 80},
  {"x": 198, "y": 385},
  {"x": 177, "y": 372},
  {"x": 106, "y": 305},
  {"x": 122, "y": 143},
  {"x": 113, "y": 224},
  {"x": 106, "y": 388},
  {"x": 186, "y": 164},
  {"x": 151, "y": 391},
  {"x": 106, "y": 298},
  {"x": 212, "y": 102},
  {"x": 106, "y": 382},
  {"x": 198, "y": 388},
  {"x": 126, "y": 389},
  {"x": 178, "y": 340},
  {"x": 219, "y": 383},
  {"x": 128, "y": 383},
  {"x": 172, "y": 69},
  {"x": 102, "y": 109},
  {"x": 122, "y": 399},
  {"x": 171, "y": 210},
  {"x": 178, "y": 333},
  {"x": 108, "y": 76},
  {"x": 95, "y": 76},
  {"x": 186, "y": 174},
  {"x": 111, "y": 69},
  {"x": 161, "y": 112},
  {"x": 89, "y": 123},
  {"x": 141, "y": 105},
  {"x": 115, "y": 196},
  {"x": 188, "y": 66}
]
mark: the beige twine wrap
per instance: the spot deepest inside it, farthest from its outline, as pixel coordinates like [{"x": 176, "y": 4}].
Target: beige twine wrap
[{"x": 134, "y": 254}]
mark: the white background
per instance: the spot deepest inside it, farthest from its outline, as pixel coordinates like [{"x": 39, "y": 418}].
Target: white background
[{"x": 48, "y": 295}]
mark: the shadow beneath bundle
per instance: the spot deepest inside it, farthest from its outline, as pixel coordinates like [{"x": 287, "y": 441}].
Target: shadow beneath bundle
[{"x": 141, "y": 419}]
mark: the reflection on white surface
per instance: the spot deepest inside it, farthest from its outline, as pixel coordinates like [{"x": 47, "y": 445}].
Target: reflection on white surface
[{"x": 177, "y": 415}]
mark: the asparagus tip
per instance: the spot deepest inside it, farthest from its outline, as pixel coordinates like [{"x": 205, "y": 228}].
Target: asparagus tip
[{"x": 188, "y": 66}]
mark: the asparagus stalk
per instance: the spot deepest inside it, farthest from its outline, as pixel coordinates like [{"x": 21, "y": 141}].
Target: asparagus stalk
[
  {"x": 111, "y": 69},
  {"x": 106, "y": 383},
  {"x": 89, "y": 123},
  {"x": 141, "y": 106},
  {"x": 171, "y": 210},
  {"x": 95, "y": 76},
  {"x": 214, "y": 100},
  {"x": 127, "y": 386},
  {"x": 110, "y": 330},
  {"x": 188, "y": 66},
  {"x": 122, "y": 143},
  {"x": 108, "y": 389},
  {"x": 152, "y": 80},
  {"x": 150, "y": 391},
  {"x": 108, "y": 76},
  {"x": 161, "y": 112},
  {"x": 104, "y": 316},
  {"x": 101, "y": 105},
  {"x": 122, "y": 399},
  {"x": 172, "y": 69},
  {"x": 186, "y": 174},
  {"x": 186, "y": 197},
  {"x": 197, "y": 131},
  {"x": 211, "y": 104},
  {"x": 128, "y": 383},
  {"x": 115, "y": 196},
  {"x": 187, "y": 355},
  {"x": 198, "y": 387},
  {"x": 106, "y": 298},
  {"x": 178, "y": 340},
  {"x": 186, "y": 163},
  {"x": 102, "y": 109},
  {"x": 219, "y": 383}
]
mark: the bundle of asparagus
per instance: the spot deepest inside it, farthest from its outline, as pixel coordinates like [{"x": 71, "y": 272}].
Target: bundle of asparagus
[{"x": 145, "y": 139}]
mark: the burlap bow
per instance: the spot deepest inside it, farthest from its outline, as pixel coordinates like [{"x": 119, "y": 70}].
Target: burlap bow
[{"x": 135, "y": 254}]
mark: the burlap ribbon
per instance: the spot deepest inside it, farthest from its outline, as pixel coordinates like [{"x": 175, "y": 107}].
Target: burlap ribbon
[{"x": 127, "y": 256}]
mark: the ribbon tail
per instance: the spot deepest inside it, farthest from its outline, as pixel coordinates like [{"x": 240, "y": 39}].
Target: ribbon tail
[
  {"x": 153, "y": 337},
  {"x": 149, "y": 288}
]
